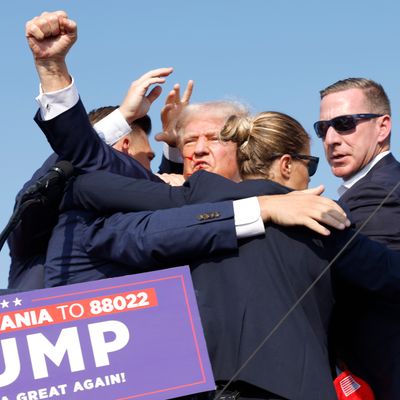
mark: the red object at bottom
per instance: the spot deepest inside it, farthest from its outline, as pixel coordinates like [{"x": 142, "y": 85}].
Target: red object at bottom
[{"x": 350, "y": 387}]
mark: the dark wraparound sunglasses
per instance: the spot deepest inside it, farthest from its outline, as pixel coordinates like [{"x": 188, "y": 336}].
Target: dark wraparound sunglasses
[
  {"x": 312, "y": 164},
  {"x": 340, "y": 124}
]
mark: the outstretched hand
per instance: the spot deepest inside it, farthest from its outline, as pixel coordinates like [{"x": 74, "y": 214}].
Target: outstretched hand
[
  {"x": 51, "y": 35},
  {"x": 304, "y": 208},
  {"x": 137, "y": 101},
  {"x": 173, "y": 106}
]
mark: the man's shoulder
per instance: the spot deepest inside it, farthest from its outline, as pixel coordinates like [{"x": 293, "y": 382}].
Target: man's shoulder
[{"x": 382, "y": 177}]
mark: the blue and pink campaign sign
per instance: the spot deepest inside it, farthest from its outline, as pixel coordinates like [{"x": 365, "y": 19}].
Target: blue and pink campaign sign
[{"x": 138, "y": 336}]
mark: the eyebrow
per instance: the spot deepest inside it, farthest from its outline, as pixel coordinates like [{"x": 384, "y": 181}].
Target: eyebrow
[{"x": 194, "y": 135}]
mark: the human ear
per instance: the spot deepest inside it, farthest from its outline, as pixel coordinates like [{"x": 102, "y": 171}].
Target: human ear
[
  {"x": 385, "y": 127},
  {"x": 126, "y": 142},
  {"x": 285, "y": 166}
]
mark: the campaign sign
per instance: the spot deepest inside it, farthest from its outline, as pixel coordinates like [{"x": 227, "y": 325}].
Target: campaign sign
[{"x": 137, "y": 336}]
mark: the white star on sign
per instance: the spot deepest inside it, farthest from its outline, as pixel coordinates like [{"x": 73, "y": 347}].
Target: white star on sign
[
  {"x": 4, "y": 304},
  {"x": 17, "y": 302}
]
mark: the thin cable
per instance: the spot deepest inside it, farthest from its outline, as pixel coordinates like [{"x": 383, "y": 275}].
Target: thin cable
[{"x": 316, "y": 280}]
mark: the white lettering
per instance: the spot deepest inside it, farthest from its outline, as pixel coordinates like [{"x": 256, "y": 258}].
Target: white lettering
[
  {"x": 11, "y": 362},
  {"x": 43, "y": 393},
  {"x": 67, "y": 342},
  {"x": 101, "y": 348},
  {"x": 25, "y": 319}
]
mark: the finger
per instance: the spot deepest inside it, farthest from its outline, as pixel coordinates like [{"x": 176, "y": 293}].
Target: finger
[
  {"x": 67, "y": 25},
  {"x": 177, "y": 91},
  {"x": 53, "y": 25},
  {"x": 170, "y": 98},
  {"x": 141, "y": 87},
  {"x": 32, "y": 30},
  {"x": 340, "y": 217},
  {"x": 160, "y": 137},
  {"x": 148, "y": 82},
  {"x": 156, "y": 72},
  {"x": 154, "y": 94},
  {"x": 47, "y": 22},
  {"x": 317, "y": 190},
  {"x": 165, "y": 114},
  {"x": 316, "y": 227},
  {"x": 332, "y": 205},
  {"x": 188, "y": 92},
  {"x": 61, "y": 14},
  {"x": 332, "y": 220}
]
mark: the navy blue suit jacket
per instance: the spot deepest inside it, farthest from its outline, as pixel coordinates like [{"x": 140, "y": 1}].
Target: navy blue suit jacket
[
  {"x": 368, "y": 332},
  {"x": 72, "y": 138},
  {"x": 243, "y": 295}
]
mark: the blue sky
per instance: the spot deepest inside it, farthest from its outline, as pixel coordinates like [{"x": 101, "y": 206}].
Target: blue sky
[{"x": 272, "y": 55}]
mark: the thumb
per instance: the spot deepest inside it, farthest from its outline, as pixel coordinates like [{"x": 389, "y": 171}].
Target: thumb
[
  {"x": 160, "y": 137},
  {"x": 317, "y": 190},
  {"x": 154, "y": 94}
]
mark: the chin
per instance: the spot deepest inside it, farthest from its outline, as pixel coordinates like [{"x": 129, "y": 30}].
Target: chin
[{"x": 342, "y": 172}]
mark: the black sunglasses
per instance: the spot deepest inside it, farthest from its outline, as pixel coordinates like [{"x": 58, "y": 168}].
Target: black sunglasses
[
  {"x": 343, "y": 123},
  {"x": 312, "y": 164}
]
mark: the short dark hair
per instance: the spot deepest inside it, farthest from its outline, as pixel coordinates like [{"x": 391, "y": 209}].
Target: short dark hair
[
  {"x": 98, "y": 114},
  {"x": 376, "y": 96},
  {"x": 143, "y": 123}
]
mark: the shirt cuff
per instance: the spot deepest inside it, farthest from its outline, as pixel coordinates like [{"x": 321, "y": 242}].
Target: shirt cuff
[
  {"x": 52, "y": 104},
  {"x": 112, "y": 127},
  {"x": 248, "y": 221},
  {"x": 172, "y": 154}
]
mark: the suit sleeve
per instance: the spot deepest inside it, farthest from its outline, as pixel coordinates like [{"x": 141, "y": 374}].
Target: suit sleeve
[
  {"x": 384, "y": 226},
  {"x": 104, "y": 192},
  {"x": 162, "y": 238},
  {"x": 72, "y": 137},
  {"x": 366, "y": 264},
  {"x": 170, "y": 167}
]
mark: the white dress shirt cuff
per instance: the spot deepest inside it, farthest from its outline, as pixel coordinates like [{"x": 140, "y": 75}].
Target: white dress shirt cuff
[
  {"x": 52, "y": 104},
  {"x": 112, "y": 127},
  {"x": 248, "y": 221},
  {"x": 172, "y": 154}
]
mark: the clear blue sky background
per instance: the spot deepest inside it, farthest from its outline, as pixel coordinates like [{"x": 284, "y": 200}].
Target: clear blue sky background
[{"x": 273, "y": 55}]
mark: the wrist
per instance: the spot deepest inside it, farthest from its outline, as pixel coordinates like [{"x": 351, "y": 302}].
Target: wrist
[
  {"x": 53, "y": 75},
  {"x": 264, "y": 212}
]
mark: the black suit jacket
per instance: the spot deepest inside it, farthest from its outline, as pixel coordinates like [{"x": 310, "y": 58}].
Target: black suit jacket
[
  {"x": 241, "y": 297},
  {"x": 72, "y": 138},
  {"x": 367, "y": 330}
]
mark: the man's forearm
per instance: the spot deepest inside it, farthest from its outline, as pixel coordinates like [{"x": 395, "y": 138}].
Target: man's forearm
[{"x": 53, "y": 75}]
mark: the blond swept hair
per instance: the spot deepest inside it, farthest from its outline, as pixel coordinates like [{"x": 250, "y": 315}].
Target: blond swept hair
[
  {"x": 220, "y": 109},
  {"x": 377, "y": 99},
  {"x": 261, "y": 138}
]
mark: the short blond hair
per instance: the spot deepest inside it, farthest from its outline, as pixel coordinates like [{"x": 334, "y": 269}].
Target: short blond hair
[{"x": 220, "y": 109}]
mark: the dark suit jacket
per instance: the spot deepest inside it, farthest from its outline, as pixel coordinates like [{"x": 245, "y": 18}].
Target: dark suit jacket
[
  {"x": 84, "y": 247},
  {"x": 170, "y": 167},
  {"x": 241, "y": 297},
  {"x": 72, "y": 137},
  {"x": 28, "y": 241},
  {"x": 369, "y": 331}
]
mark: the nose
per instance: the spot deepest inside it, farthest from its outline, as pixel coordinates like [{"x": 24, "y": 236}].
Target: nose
[
  {"x": 201, "y": 146},
  {"x": 331, "y": 137}
]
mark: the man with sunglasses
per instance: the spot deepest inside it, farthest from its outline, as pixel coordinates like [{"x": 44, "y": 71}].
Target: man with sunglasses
[{"x": 355, "y": 127}]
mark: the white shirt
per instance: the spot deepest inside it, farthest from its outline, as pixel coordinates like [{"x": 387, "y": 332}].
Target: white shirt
[
  {"x": 348, "y": 183},
  {"x": 247, "y": 213}
]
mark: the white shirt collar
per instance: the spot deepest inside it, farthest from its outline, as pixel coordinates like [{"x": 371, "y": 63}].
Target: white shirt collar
[{"x": 347, "y": 184}]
